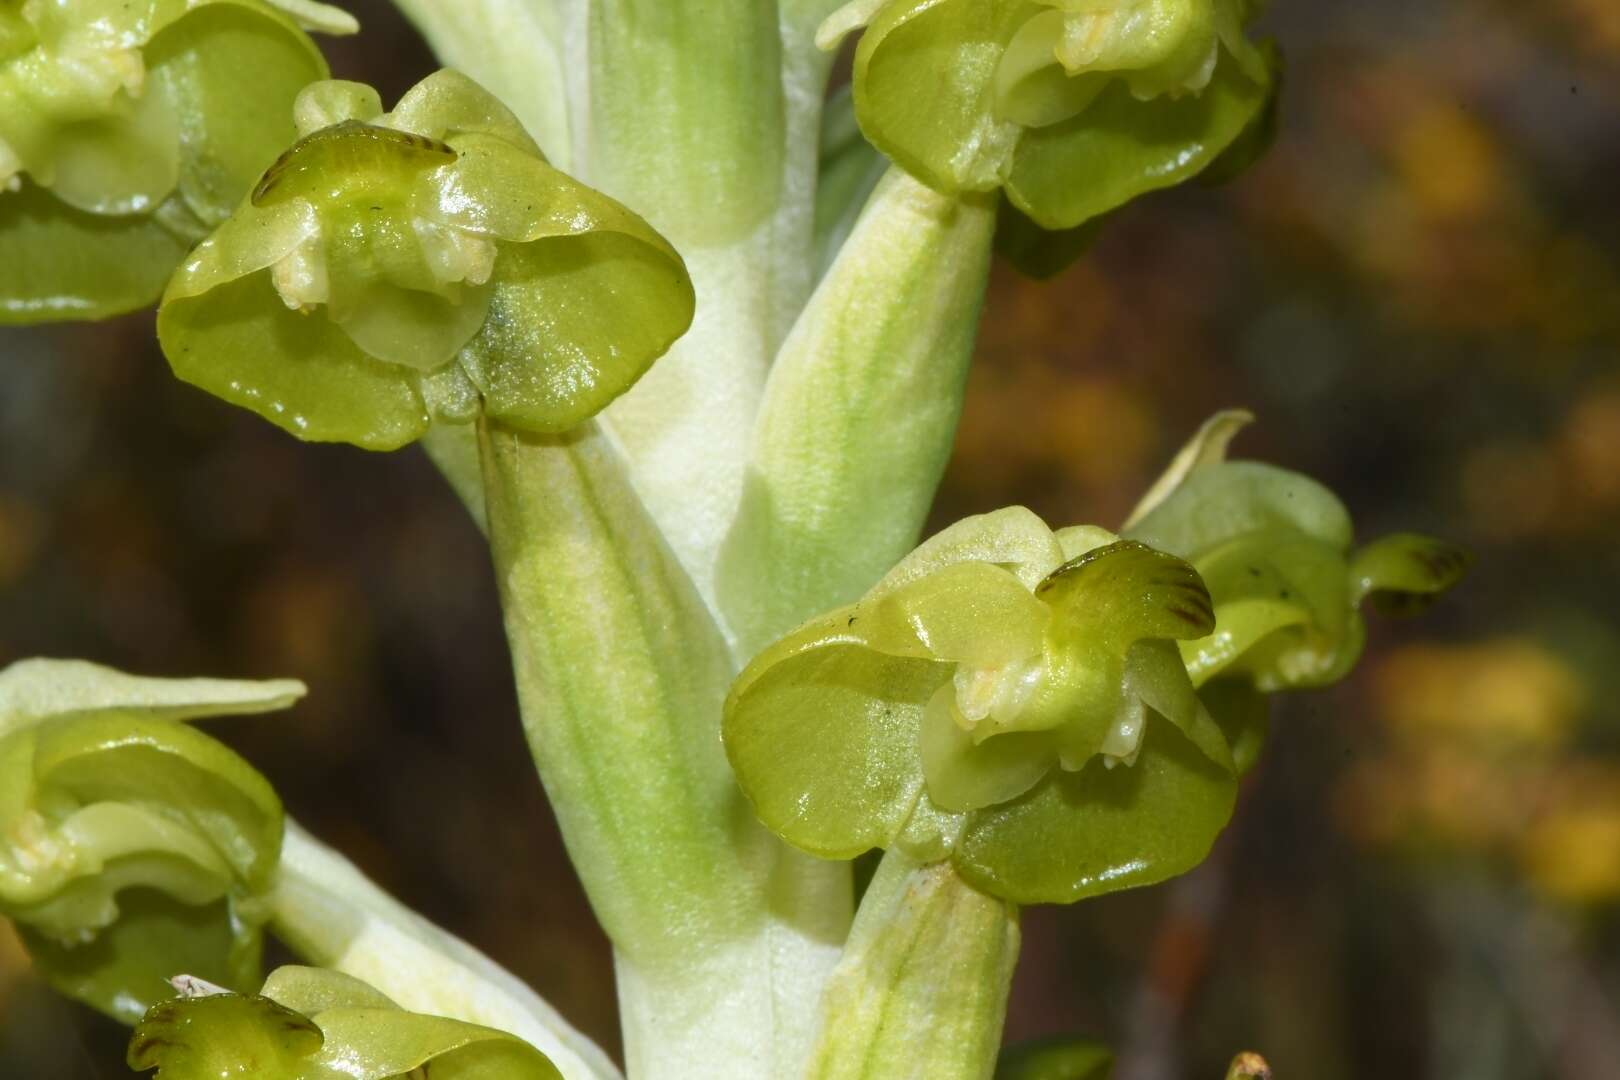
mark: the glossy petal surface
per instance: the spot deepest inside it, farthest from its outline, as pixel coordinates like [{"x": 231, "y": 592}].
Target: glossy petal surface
[
  {"x": 1120, "y": 147},
  {"x": 1100, "y": 830},
  {"x": 825, "y": 745},
  {"x": 60, "y": 263}
]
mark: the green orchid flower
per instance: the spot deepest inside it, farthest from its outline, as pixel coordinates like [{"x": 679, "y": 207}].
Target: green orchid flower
[
  {"x": 312, "y": 1024},
  {"x": 1276, "y": 550},
  {"x": 1074, "y": 107},
  {"x": 127, "y": 130},
  {"x": 391, "y": 269},
  {"x": 1008, "y": 698},
  {"x": 132, "y": 846}
]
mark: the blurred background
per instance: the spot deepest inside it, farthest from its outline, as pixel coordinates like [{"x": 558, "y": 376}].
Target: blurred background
[{"x": 1418, "y": 291}]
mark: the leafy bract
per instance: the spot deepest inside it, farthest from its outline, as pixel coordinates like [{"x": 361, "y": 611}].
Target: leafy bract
[
  {"x": 134, "y": 844},
  {"x": 312, "y": 1024},
  {"x": 126, "y": 131},
  {"x": 393, "y": 269},
  {"x": 1006, "y": 697},
  {"x": 1073, "y": 108}
]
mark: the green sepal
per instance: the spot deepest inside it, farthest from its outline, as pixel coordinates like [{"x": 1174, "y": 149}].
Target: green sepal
[
  {"x": 925, "y": 89},
  {"x": 826, "y": 745},
  {"x": 1013, "y": 537},
  {"x": 124, "y": 969},
  {"x": 1120, "y": 147},
  {"x": 394, "y": 269},
  {"x": 1102, "y": 829},
  {"x": 39, "y": 688},
  {"x": 230, "y": 133},
  {"x": 59, "y": 263},
  {"x": 302, "y": 374},
  {"x": 1404, "y": 573},
  {"x": 310, "y": 1024},
  {"x": 1058, "y": 1058},
  {"x": 1224, "y": 500}
]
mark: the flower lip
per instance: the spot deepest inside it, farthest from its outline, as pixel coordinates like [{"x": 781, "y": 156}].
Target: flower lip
[{"x": 353, "y": 146}]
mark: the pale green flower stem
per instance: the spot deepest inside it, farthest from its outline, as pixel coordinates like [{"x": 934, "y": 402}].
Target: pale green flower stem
[
  {"x": 723, "y": 936},
  {"x": 626, "y": 622},
  {"x": 719, "y": 931},
  {"x": 333, "y": 916},
  {"x": 921, "y": 990}
]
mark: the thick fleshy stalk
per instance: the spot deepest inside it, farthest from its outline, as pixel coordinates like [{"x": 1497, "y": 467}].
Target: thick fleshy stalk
[
  {"x": 722, "y": 936},
  {"x": 921, "y": 990},
  {"x": 332, "y": 915}
]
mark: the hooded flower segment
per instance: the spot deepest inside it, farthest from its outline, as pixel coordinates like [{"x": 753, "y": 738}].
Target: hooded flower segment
[
  {"x": 310, "y": 1024},
  {"x": 391, "y": 269},
  {"x": 128, "y": 128},
  {"x": 1007, "y": 697},
  {"x": 1072, "y": 106},
  {"x": 1276, "y": 550},
  {"x": 132, "y": 846}
]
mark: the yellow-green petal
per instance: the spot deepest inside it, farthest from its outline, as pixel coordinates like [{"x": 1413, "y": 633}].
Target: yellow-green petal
[
  {"x": 1217, "y": 503},
  {"x": 122, "y": 971},
  {"x": 60, "y": 263},
  {"x": 230, "y": 128},
  {"x": 1120, "y": 147},
  {"x": 110, "y": 757},
  {"x": 825, "y": 745},
  {"x": 925, "y": 76},
  {"x": 964, "y": 775},
  {"x": 126, "y": 162},
  {"x": 973, "y": 612},
  {"x": 573, "y": 322},
  {"x": 301, "y": 372},
  {"x": 1404, "y": 573},
  {"x": 448, "y": 103},
  {"x": 1101, "y": 830},
  {"x": 34, "y": 689},
  {"x": 1013, "y": 537}
]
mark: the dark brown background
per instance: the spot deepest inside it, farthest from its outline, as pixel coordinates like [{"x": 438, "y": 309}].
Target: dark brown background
[{"x": 1419, "y": 293}]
